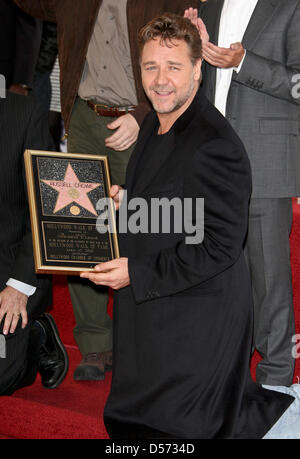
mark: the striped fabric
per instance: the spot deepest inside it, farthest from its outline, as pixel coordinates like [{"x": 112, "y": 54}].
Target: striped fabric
[{"x": 55, "y": 85}]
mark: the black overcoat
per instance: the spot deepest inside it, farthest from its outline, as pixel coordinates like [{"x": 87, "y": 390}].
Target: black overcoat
[{"x": 183, "y": 328}]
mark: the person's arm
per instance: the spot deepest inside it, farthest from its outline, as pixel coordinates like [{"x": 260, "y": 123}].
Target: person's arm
[
  {"x": 41, "y": 9},
  {"x": 223, "y": 179},
  {"x": 27, "y": 289},
  {"x": 272, "y": 77},
  {"x": 260, "y": 73}
]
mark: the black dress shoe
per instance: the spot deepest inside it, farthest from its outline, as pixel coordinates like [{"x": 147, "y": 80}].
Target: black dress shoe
[{"x": 53, "y": 362}]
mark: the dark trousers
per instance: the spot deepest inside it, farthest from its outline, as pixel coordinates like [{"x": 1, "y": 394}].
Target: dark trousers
[{"x": 19, "y": 358}]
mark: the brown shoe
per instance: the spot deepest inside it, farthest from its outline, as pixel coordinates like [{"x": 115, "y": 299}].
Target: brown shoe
[{"x": 93, "y": 366}]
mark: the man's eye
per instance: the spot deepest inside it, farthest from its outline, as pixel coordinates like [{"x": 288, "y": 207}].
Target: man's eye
[
  {"x": 152, "y": 67},
  {"x": 172, "y": 67}
]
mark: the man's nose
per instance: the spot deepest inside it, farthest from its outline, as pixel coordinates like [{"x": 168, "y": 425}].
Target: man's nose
[{"x": 161, "y": 77}]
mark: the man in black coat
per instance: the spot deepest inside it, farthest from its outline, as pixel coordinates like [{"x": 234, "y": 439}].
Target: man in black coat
[
  {"x": 183, "y": 310},
  {"x": 20, "y": 38},
  {"x": 29, "y": 337}
]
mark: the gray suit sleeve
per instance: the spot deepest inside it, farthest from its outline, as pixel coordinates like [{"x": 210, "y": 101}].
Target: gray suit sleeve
[{"x": 271, "y": 77}]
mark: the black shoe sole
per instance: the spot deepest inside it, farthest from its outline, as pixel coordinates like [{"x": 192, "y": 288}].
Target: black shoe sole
[{"x": 62, "y": 348}]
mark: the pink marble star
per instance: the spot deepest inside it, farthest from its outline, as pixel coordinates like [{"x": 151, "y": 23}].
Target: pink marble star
[{"x": 72, "y": 190}]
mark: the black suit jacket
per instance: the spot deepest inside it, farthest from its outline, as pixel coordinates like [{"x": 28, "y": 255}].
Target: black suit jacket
[
  {"x": 20, "y": 38},
  {"x": 21, "y": 127},
  {"x": 183, "y": 328}
]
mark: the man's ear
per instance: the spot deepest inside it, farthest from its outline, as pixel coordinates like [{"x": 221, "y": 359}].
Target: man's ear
[{"x": 197, "y": 70}]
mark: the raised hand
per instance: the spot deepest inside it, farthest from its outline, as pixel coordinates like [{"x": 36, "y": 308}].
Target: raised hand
[
  {"x": 192, "y": 15},
  {"x": 223, "y": 57}
]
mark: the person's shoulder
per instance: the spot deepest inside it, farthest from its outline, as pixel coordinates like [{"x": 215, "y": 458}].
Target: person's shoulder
[
  {"x": 218, "y": 126},
  {"x": 218, "y": 148},
  {"x": 221, "y": 160},
  {"x": 215, "y": 138}
]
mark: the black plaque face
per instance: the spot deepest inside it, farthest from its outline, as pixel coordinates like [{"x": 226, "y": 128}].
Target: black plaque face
[{"x": 63, "y": 191}]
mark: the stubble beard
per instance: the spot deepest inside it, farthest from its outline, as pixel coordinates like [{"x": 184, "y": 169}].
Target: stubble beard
[{"x": 178, "y": 101}]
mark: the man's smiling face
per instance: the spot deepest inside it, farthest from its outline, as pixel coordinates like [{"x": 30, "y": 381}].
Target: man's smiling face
[{"x": 169, "y": 77}]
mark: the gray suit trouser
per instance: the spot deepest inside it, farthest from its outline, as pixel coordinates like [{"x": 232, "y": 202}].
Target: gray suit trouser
[{"x": 268, "y": 256}]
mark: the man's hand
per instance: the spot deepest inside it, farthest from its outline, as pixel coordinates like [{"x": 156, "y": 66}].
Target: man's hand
[
  {"x": 12, "y": 305},
  {"x": 125, "y": 135},
  {"x": 192, "y": 15},
  {"x": 116, "y": 193},
  {"x": 19, "y": 89},
  {"x": 113, "y": 274},
  {"x": 223, "y": 57}
]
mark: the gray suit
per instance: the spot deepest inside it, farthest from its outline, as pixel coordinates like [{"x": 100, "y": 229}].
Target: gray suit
[{"x": 263, "y": 111}]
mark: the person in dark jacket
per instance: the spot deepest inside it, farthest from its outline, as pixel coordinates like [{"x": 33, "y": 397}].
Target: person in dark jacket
[{"x": 30, "y": 340}]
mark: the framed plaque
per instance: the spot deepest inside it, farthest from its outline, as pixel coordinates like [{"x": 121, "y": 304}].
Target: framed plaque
[{"x": 64, "y": 191}]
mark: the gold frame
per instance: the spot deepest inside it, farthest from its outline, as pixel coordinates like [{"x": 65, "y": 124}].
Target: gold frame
[{"x": 37, "y": 225}]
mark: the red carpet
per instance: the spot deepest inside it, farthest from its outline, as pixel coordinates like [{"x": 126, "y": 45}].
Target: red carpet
[{"x": 74, "y": 410}]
